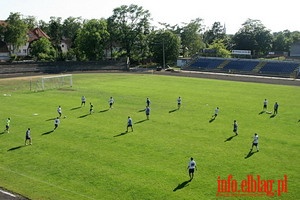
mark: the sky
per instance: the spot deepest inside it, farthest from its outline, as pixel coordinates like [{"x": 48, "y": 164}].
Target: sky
[{"x": 274, "y": 15}]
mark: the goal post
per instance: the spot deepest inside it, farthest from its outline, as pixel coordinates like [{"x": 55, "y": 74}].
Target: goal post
[{"x": 55, "y": 82}]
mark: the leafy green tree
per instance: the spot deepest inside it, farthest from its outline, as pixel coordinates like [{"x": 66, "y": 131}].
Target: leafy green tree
[
  {"x": 253, "y": 36},
  {"x": 31, "y": 22},
  {"x": 15, "y": 32},
  {"x": 220, "y": 48},
  {"x": 129, "y": 24},
  {"x": 91, "y": 39},
  {"x": 70, "y": 27},
  {"x": 165, "y": 47},
  {"x": 55, "y": 31},
  {"x": 217, "y": 32},
  {"x": 191, "y": 38},
  {"x": 42, "y": 49}
]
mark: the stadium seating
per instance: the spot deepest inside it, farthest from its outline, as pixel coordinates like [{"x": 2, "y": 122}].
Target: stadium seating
[
  {"x": 206, "y": 63},
  {"x": 279, "y": 68},
  {"x": 241, "y": 65}
]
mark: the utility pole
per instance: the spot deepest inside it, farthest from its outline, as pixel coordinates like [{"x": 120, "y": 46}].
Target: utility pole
[{"x": 164, "y": 57}]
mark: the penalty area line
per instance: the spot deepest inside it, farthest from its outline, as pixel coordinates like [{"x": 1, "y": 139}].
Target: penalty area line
[
  {"x": 44, "y": 182},
  {"x": 10, "y": 194}
]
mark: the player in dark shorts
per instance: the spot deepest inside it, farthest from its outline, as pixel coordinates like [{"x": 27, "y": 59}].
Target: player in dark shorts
[
  {"x": 235, "y": 127},
  {"x": 147, "y": 110},
  {"x": 28, "y": 137},
  {"x": 91, "y": 108},
  {"x": 129, "y": 124}
]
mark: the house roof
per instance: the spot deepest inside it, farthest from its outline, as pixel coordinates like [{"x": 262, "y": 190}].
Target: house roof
[
  {"x": 3, "y": 23},
  {"x": 36, "y": 34}
]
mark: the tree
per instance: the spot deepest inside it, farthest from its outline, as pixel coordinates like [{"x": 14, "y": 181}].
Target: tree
[
  {"x": 91, "y": 39},
  {"x": 217, "y": 32},
  {"x": 253, "y": 36},
  {"x": 15, "y": 32},
  {"x": 165, "y": 47},
  {"x": 129, "y": 24},
  {"x": 219, "y": 47},
  {"x": 31, "y": 22},
  {"x": 42, "y": 49},
  {"x": 55, "y": 32},
  {"x": 70, "y": 27},
  {"x": 191, "y": 38}
]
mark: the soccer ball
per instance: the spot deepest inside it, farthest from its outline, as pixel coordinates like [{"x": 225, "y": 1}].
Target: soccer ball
[{"x": 65, "y": 116}]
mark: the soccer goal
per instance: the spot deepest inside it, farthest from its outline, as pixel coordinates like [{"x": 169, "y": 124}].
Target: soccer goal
[{"x": 55, "y": 82}]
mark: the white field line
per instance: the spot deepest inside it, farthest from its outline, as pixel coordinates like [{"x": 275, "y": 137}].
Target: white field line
[
  {"x": 10, "y": 194},
  {"x": 44, "y": 182},
  {"x": 241, "y": 75}
]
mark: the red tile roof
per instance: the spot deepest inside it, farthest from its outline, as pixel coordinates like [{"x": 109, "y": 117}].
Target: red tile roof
[{"x": 36, "y": 34}]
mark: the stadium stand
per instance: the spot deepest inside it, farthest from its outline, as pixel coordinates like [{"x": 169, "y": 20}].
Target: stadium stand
[
  {"x": 279, "y": 68},
  {"x": 245, "y": 66},
  {"x": 206, "y": 63},
  {"x": 241, "y": 65}
]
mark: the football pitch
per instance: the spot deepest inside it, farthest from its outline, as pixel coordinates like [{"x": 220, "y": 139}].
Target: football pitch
[{"x": 91, "y": 156}]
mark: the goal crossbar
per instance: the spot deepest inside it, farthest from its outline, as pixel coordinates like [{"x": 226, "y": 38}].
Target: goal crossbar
[{"x": 58, "y": 81}]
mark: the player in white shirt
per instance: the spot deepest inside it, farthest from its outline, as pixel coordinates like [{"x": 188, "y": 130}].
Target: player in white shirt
[
  {"x": 179, "y": 100},
  {"x": 56, "y": 123},
  {"x": 129, "y": 124},
  {"x": 255, "y": 142},
  {"x": 191, "y": 167},
  {"x": 59, "y": 111},
  {"x": 216, "y": 113},
  {"x": 111, "y": 102},
  {"x": 28, "y": 137},
  {"x": 265, "y": 105}
]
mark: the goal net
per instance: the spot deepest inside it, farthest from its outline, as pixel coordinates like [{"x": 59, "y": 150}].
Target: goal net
[{"x": 54, "y": 82}]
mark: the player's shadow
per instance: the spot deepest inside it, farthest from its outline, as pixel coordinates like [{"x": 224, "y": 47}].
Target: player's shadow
[
  {"x": 141, "y": 121},
  {"x": 261, "y": 112},
  {"x": 142, "y": 110},
  {"x": 212, "y": 119},
  {"x": 272, "y": 116},
  {"x": 250, "y": 153},
  {"x": 121, "y": 134},
  {"x": 171, "y": 111},
  {"x": 82, "y": 116},
  {"x": 15, "y": 148},
  {"x": 2, "y": 133},
  {"x": 51, "y": 119},
  {"x": 75, "y": 108},
  {"x": 101, "y": 111},
  {"x": 230, "y": 138},
  {"x": 48, "y": 132},
  {"x": 182, "y": 185}
]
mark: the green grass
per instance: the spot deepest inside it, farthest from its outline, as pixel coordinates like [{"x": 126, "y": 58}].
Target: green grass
[{"x": 90, "y": 156}]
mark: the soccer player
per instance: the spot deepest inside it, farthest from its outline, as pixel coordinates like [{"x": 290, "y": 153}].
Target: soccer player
[
  {"x": 111, "y": 102},
  {"x": 191, "y": 167},
  {"x": 83, "y": 100},
  {"x": 129, "y": 124},
  {"x": 91, "y": 108},
  {"x": 56, "y": 123},
  {"x": 265, "y": 105},
  {"x": 7, "y": 125},
  {"x": 235, "y": 127},
  {"x": 28, "y": 137},
  {"x": 148, "y": 102},
  {"x": 59, "y": 111},
  {"x": 216, "y": 113},
  {"x": 275, "y": 108},
  {"x": 179, "y": 100},
  {"x": 147, "y": 110},
  {"x": 255, "y": 142}
]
